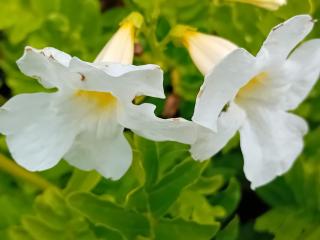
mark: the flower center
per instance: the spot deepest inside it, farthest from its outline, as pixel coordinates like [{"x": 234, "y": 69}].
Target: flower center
[
  {"x": 252, "y": 84},
  {"x": 100, "y": 99}
]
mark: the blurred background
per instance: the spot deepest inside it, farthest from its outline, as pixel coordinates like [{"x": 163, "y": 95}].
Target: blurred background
[{"x": 287, "y": 208}]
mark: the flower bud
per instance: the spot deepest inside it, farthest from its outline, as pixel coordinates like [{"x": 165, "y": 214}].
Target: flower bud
[
  {"x": 120, "y": 48},
  {"x": 205, "y": 50},
  {"x": 267, "y": 4}
]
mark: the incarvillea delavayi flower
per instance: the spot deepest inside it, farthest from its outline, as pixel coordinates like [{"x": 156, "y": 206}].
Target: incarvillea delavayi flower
[
  {"x": 253, "y": 95},
  {"x": 84, "y": 119}
]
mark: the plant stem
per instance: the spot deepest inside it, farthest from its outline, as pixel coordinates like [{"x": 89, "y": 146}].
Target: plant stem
[
  {"x": 312, "y": 7},
  {"x": 13, "y": 169},
  {"x": 82, "y": 181}
]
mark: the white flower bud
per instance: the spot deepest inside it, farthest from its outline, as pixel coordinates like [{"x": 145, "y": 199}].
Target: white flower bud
[
  {"x": 120, "y": 48},
  {"x": 205, "y": 50},
  {"x": 272, "y": 5}
]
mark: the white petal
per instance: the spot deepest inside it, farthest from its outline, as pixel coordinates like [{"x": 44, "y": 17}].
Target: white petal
[
  {"x": 270, "y": 143},
  {"x": 208, "y": 143},
  {"x": 221, "y": 86},
  {"x": 284, "y": 37},
  {"x": 22, "y": 110},
  {"x": 49, "y": 66},
  {"x": 110, "y": 156},
  {"x": 61, "y": 57},
  {"x": 120, "y": 48},
  {"x": 122, "y": 80},
  {"x": 41, "y": 139},
  {"x": 206, "y": 50},
  {"x": 101, "y": 144},
  {"x": 305, "y": 70},
  {"x": 272, "y": 5},
  {"x": 142, "y": 120},
  {"x": 269, "y": 86}
]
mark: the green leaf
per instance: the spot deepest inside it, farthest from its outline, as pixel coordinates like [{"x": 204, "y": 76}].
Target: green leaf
[
  {"x": 19, "y": 233},
  {"x": 51, "y": 205},
  {"x": 27, "y": 24},
  {"x": 193, "y": 203},
  {"x": 278, "y": 193},
  {"x": 105, "y": 233},
  {"x": 166, "y": 192},
  {"x": 208, "y": 185},
  {"x": 194, "y": 206},
  {"x": 129, "y": 223},
  {"x": 295, "y": 200},
  {"x": 296, "y": 188},
  {"x": 118, "y": 191},
  {"x": 42, "y": 7},
  {"x": 229, "y": 198},
  {"x": 39, "y": 230},
  {"x": 158, "y": 158},
  {"x": 179, "y": 229},
  {"x": 53, "y": 219},
  {"x": 230, "y": 232},
  {"x": 16, "y": 198},
  {"x": 148, "y": 154},
  {"x": 290, "y": 223},
  {"x": 138, "y": 200}
]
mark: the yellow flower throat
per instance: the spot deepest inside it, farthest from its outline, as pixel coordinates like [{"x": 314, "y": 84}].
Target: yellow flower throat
[
  {"x": 252, "y": 84},
  {"x": 101, "y": 99}
]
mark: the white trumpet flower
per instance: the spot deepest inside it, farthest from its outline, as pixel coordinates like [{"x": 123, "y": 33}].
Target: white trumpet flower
[
  {"x": 83, "y": 121},
  {"x": 120, "y": 48},
  {"x": 205, "y": 50},
  {"x": 272, "y": 5},
  {"x": 253, "y": 94}
]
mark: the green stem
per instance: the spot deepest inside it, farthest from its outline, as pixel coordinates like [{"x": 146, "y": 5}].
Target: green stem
[
  {"x": 149, "y": 31},
  {"x": 163, "y": 44},
  {"x": 13, "y": 169},
  {"x": 312, "y": 7},
  {"x": 82, "y": 181}
]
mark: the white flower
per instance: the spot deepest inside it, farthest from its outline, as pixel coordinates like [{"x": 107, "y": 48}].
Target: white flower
[
  {"x": 256, "y": 93},
  {"x": 205, "y": 50},
  {"x": 120, "y": 48},
  {"x": 268, "y": 4},
  {"x": 83, "y": 121}
]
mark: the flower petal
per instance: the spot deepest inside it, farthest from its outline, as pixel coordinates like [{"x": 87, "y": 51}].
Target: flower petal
[
  {"x": 142, "y": 120},
  {"x": 269, "y": 87},
  {"x": 42, "y": 137},
  {"x": 221, "y": 86},
  {"x": 120, "y": 48},
  {"x": 138, "y": 80},
  {"x": 270, "y": 142},
  {"x": 100, "y": 144},
  {"x": 305, "y": 68},
  {"x": 110, "y": 156},
  {"x": 21, "y": 110},
  {"x": 271, "y": 5},
  {"x": 284, "y": 37},
  {"x": 206, "y": 50},
  {"x": 208, "y": 143},
  {"x": 48, "y": 65},
  {"x": 61, "y": 57}
]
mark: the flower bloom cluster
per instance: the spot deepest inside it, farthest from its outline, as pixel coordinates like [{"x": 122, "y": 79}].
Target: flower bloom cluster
[
  {"x": 84, "y": 119},
  {"x": 253, "y": 94}
]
